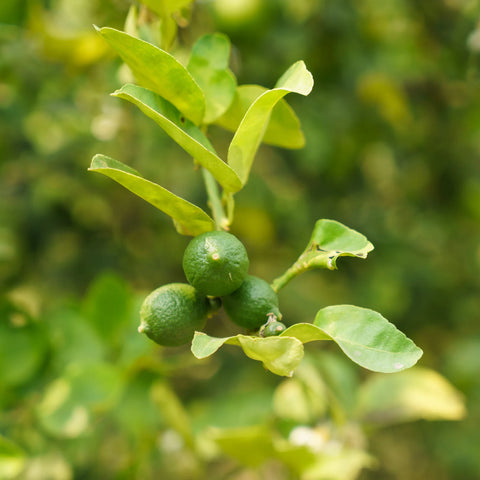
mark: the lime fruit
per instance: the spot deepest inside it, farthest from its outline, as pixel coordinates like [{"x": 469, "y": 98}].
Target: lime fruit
[
  {"x": 273, "y": 328},
  {"x": 171, "y": 314},
  {"x": 215, "y": 263},
  {"x": 251, "y": 304}
]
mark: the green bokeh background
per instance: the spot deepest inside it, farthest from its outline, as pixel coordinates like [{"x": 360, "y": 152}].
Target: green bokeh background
[{"x": 392, "y": 150}]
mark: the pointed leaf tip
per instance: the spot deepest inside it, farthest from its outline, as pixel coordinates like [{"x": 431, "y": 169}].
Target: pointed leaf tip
[
  {"x": 189, "y": 219},
  {"x": 368, "y": 338}
]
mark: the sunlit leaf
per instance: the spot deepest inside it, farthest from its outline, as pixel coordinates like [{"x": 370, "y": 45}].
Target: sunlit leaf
[
  {"x": 12, "y": 459},
  {"x": 173, "y": 411},
  {"x": 304, "y": 398},
  {"x": 279, "y": 355},
  {"x": 418, "y": 393},
  {"x": 69, "y": 402},
  {"x": 329, "y": 241},
  {"x": 250, "y": 132},
  {"x": 250, "y": 446},
  {"x": 283, "y": 128},
  {"x": 183, "y": 131},
  {"x": 367, "y": 338},
  {"x": 188, "y": 218},
  {"x": 159, "y": 71},
  {"x": 294, "y": 401},
  {"x": 208, "y": 65},
  {"x": 344, "y": 464},
  {"x": 166, "y": 6},
  {"x": 297, "y": 457}
]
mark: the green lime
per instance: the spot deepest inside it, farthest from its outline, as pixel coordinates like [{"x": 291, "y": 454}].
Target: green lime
[
  {"x": 171, "y": 314},
  {"x": 251, "y": 304},
  {"x": 215, "y": 263},
  {"x": 273, "y": 328}
]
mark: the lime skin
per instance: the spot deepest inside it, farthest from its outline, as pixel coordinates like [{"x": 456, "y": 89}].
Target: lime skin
[
  {"x": 215, "y": 263},
  {"x": 251, "y": 305},
  {"x": 171, "y": 314}
]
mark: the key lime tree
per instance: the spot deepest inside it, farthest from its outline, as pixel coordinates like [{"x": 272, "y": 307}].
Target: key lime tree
[{"x": 185, "y": 100}]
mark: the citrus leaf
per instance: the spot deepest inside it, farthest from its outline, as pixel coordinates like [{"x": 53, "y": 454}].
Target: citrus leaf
[
  {"x": 329, "y": 241},
  {"x": 345, "y": 463},
  {"x": 305, "y": 332},
  {"x": 12, "y": 459},
  {"x": 419, "y": 393},
  {"x": 25, "y": 342},
  {"x": 208, "y": 65},
  {"x": 279, "y": 355},
  {"x": 173, "y": 410},
  {"x": 367, "y": 338},
  {"x": 250, "y": 132},
  {"x": 163, "y": 7},
  {"x": 159, "y": 71},
  {"x": 251, "y": 446},
  {"x": 183, "y": 131},
  {"x": 283, "y": 128},
  {"x": 188, "y": 218},
  {"x": 70, "y": 401},
  {"x": 107, "y": 307}
]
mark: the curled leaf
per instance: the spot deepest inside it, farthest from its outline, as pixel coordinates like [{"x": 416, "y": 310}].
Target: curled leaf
[
  {"x": 247, "y": 138},
  {"x": 329, "y": 241},
  {"x": 279, "y": 355}
]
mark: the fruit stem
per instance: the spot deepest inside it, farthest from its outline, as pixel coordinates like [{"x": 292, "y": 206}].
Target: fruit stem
[{"x": 215, "y": 201}]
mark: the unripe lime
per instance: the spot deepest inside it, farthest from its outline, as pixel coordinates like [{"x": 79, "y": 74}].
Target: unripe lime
[
  {"x": 171, "y": 314},
  {"x": 215, "y": 263},
  {"x": 272, "y": 329},
  {"x": 252, "y": 303}
]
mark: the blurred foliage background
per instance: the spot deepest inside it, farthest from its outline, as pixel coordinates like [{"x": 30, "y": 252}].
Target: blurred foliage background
[{"x": 392, "y": 150}]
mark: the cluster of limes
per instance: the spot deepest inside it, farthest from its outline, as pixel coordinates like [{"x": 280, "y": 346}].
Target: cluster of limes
[{"x": 216, "y": 266}]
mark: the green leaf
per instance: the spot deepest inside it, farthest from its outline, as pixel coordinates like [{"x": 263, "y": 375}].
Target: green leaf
[
  {"x": 342, "y": 464},
  {"x": 183, "y": 131},
  {"x": 70, "y": 401},
  {"x": 329, "y": 241},
  {"x": 22, "y": 351},
  {"x": 173, "y": 411},
  {"x": 107, "y": 307},
  {"x": 12, "y": 459},
  {"x": 367, "y": 338},
  {"x": 74, "y": 340},
  {"x": 418, "y": 393},
  {"x": 188, "y": 218},
  {"x": 250, "y": 446},
  {"x": 163, "y": 7},
  {"x": 159, "y": 71},
  {"x": 279, "y": 355},
  {"x": 283, "y": 128},
  {"x": 208, "y": 65},
  {"x": 250, "y": 132}
]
